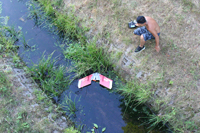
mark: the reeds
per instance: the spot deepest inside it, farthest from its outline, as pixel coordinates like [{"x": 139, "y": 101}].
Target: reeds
[
  {"x": 51, "y": 79},
  {"x": 135, "y": 91},
  {"x": 70, "y": 105},
  {"x": 67, "y": 23},
  {"x": 88, "y": 58},
  {"x": 8, "y": 37}
]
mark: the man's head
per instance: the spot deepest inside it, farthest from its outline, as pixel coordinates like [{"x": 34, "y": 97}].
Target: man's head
[{"x": 141, "y": 20}]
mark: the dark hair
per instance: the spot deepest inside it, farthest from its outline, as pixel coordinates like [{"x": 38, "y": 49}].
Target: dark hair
[{"x": 141, "y": 19}]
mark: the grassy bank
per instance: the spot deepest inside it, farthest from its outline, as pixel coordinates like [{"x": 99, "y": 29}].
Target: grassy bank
[
  {"x": 167, "y": 84},
  {"x": 23, "y": 106},
  {"x": 52, "y": 79}
]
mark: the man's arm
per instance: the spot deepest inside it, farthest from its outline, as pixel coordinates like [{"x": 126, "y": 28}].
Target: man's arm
[{"x": 157, "y": 40}]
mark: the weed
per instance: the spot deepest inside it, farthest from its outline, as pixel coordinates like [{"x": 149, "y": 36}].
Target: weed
[
  {"x": 40, "y": 97},
  {"x": 155, "y": 120},
  {"x": 191, "y": 125},
  {"x": 71, "y": 130},
  {"x": 87, "y": 58},
  {"x": 67, "y": 24},
  {"x": 188, "y": 3},
  {"x": 70, "y": 105},
  {"x": 118, "y": 55},
  {"x": 51, "y": 79},
  {"x": 58, "y": 3},
  {"x": 4, "y": 84},
  {"x": 25, "y": 43},
  {"x": 132, "y": 90},
  {"x": 8, "y": 36},
  {"x": 171, "y": 82},
  {"x": 179, "y": 18}
]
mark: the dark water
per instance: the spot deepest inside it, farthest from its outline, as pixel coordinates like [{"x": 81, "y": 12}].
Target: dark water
[{"x": 94, "y": 103}]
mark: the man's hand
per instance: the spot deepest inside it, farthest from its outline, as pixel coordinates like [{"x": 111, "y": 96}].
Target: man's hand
[{"x": 157, "y": 48}]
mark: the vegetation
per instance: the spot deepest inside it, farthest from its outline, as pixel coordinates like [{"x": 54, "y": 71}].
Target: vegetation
[
  {"x": 52, "y": 79},
  {"x": 71, "y": 130},
  {"x": 70, "y": 105},
  {"x": 88, "y": 58},
  {"x": 17, "y": 114},
  {"x": 8, "y": 123},
  {"x": 67, "y": 24},
  {"x": 26, "y": 109},
  {"x": 8, "y": 36}
]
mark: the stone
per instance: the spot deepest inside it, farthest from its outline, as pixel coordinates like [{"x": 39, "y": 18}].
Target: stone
[{"x": 139, "y": 75}]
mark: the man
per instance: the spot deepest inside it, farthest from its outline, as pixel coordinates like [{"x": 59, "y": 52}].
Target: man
[{"x": 148, "y": 29}]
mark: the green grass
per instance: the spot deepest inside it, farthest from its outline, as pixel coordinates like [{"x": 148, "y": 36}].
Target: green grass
[
  {"x": 8, "y": 123},
  {"x": 71, "y": 130},
  {"x": 16, "y": 114},
  {"x": 135, "y": 91},
  {"x": 67, "y": 23},
  {"x": 52, "y": 79},
  {"x": 8, "y": 36},
  {"x": 88, "y": 58},
  {"x": 4, "y": 84},
  {"x": 70, "y": 105}
]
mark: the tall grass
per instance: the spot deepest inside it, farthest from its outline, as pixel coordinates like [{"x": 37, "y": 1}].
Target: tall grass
[
  {"x": 52, "y": 79},
  {"x": 70, "y": 105},
  {"x": 88, "y": 58},
  {"x": 135, "y": 91},
  {"x": 66, "y": 22},
  {"x": 8, "y": 37}
]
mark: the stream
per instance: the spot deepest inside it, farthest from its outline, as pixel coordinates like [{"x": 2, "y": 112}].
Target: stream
[{"x": 94, "y": 103}]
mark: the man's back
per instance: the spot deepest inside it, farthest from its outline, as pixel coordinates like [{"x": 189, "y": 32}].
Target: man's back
[{"x": 152, "y": 24}]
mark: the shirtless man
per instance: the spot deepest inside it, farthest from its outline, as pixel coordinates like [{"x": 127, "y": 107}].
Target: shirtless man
[{"x": 148, "y": 29}]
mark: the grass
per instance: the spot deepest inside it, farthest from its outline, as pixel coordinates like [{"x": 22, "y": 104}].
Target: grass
[
  {"x": 52, "y": 79},
  {"x": 133, "y": 90},
  {"x": 71, "y": 130},
  {"x": 87, "y": 58},
  {"x": 18, "y": 115},
  {"x": 8, "y": 36},
  {"x": 70, "y": 105},
  {"x": 67, "y": 24},
  {"x": 16, "y": 110},
  {"x": 10, "y": 122}
]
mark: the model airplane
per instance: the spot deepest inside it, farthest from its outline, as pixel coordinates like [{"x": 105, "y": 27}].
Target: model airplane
[{"x": 104, "y": 81}]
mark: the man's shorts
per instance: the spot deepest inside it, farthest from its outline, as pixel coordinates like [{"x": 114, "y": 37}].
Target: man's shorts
[{"x": 143, "y": 31}]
